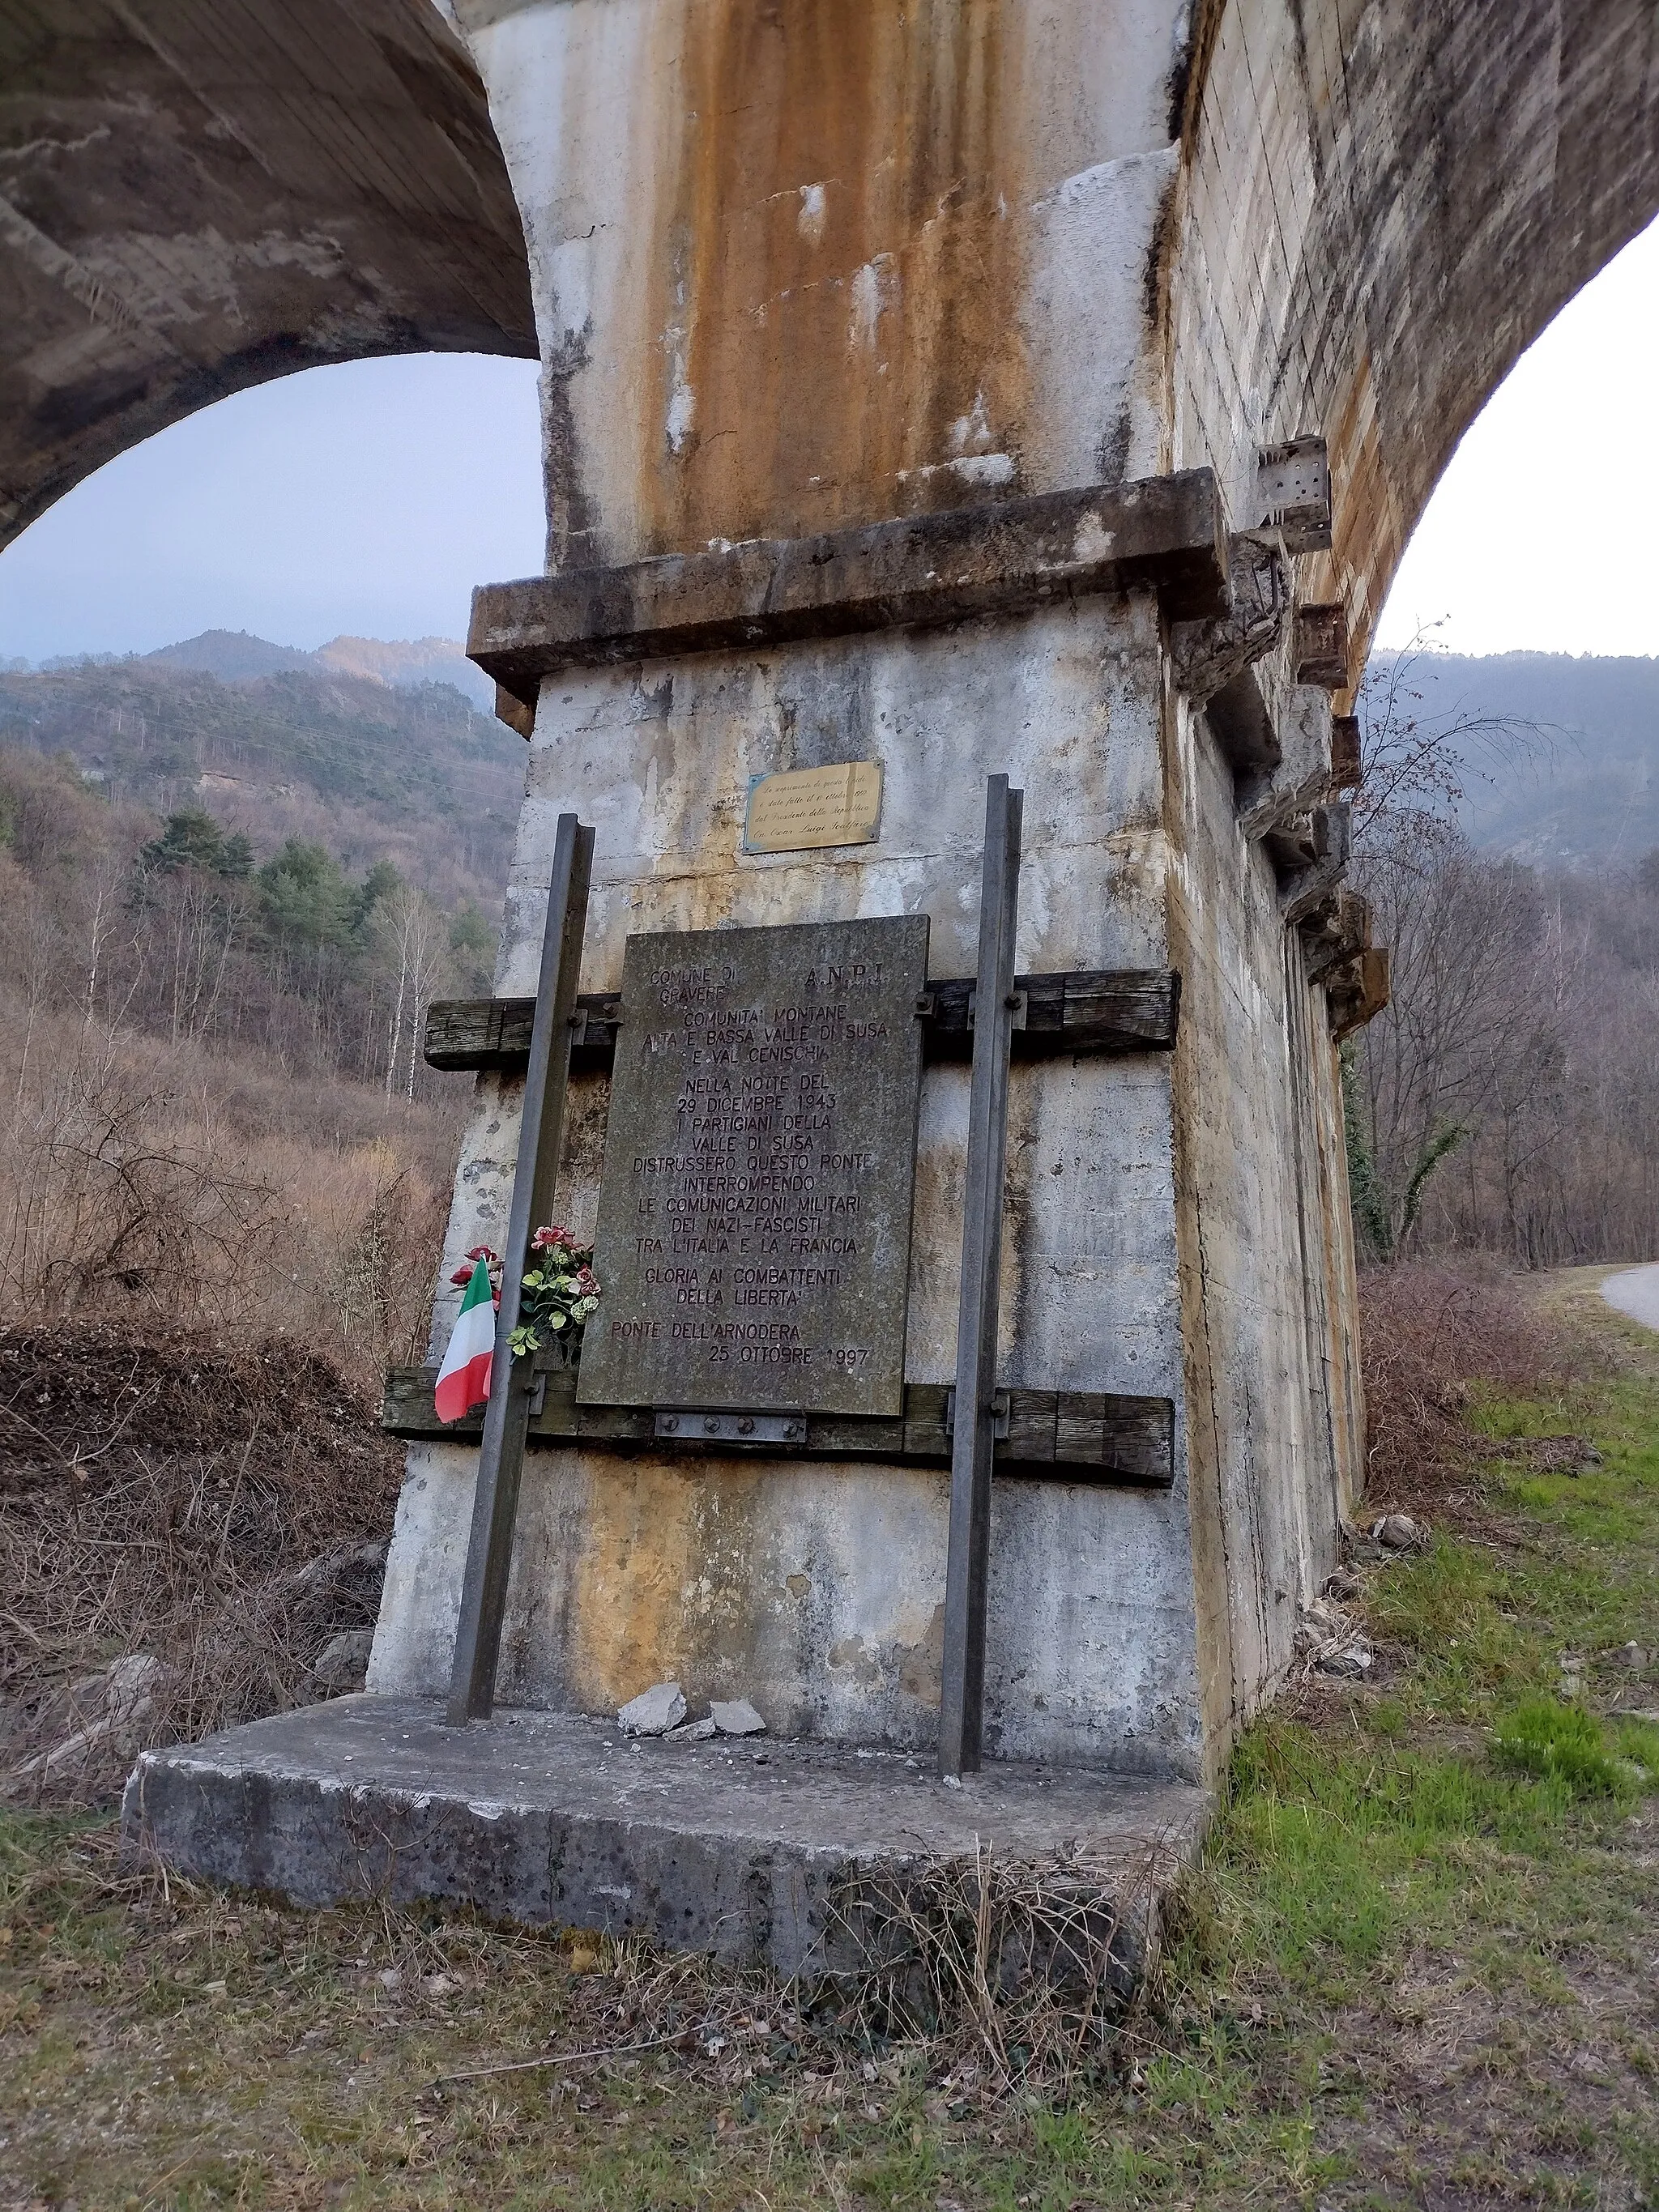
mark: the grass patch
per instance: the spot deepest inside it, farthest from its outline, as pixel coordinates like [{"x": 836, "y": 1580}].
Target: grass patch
[
  {"x": 1565, "y": 1745},
  {"x": 1417, "y": 1968}
]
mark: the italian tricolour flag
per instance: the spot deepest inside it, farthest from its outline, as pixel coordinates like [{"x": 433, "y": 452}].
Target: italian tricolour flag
[{"x": 464, "y": 1378}]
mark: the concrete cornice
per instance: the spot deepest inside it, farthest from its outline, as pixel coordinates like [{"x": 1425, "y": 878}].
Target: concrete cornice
[{"x": 1168, "y": 532}]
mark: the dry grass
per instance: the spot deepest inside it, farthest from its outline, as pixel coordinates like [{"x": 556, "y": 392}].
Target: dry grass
[
  {"x": 1431, "y": 1334},
  {"x": 140, "y": 1179},
  {"x": 1009, "y": 1971},
  {"x": 215, "y": 1506}
]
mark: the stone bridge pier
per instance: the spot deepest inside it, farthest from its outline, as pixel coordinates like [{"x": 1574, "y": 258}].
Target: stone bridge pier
[
  {"x": 1046, "y": 386},
  {"x": 1004, "y": 385}
]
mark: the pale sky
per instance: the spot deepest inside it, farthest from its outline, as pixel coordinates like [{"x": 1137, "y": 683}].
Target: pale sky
[
  {"x": 367, "y": 499},
  {"x": 1540, "y": 537},
  {"x": 371, "y": 498}
]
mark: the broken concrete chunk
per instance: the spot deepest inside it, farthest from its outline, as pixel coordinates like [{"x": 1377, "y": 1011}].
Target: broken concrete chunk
[
  {"x": 1398, "y": 1532},
  {"x": 1352, "y": 1662},
  {"x": 736, "y": 1717},
  {"x": 343, "y": 1662},
  {"x": 692, "y": 1731},
  {"x": 1342, "y": 1585},
  {"x": 655, "y": 1711}
]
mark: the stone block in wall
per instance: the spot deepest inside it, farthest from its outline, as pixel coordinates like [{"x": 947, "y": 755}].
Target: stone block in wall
[{"x": 1301, "y": 777}]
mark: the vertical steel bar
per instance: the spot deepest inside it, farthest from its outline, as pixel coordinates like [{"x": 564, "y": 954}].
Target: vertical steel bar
[
  {"x": 973, "y": 1440},
  {"x": 506, "y": 1417}
]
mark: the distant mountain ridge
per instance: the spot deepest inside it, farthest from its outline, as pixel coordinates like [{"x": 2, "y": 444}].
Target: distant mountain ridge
[
  {"x": 1568, "y": 774},
  {"x": 278, "y": 743},
  {"x": 236, "y": 656},
  {"x": 1565, "y": 774}
]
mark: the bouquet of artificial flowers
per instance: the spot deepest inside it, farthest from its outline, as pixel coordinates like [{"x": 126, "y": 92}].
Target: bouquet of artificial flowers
[{"x": 559, "y": 1293}]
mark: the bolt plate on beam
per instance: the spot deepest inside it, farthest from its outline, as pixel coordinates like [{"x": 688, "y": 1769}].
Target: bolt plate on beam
[{"x": 699, "y": 1427}]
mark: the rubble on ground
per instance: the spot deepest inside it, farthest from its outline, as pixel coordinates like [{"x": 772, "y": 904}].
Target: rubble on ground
[
  {"x": 736, "y": 1717},
  {"x": 655, "y": 1711},
  {"x": 1398, "y": 1532},
  {"x": 342, "y": 1665}
]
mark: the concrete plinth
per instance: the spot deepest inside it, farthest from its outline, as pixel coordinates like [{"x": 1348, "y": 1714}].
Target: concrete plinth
[{"x": 742, "y": 1848}]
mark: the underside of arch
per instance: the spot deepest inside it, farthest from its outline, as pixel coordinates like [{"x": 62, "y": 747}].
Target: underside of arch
[
  {"x": 1384, "y": 206},
  {"x": 198, "y": 195}
]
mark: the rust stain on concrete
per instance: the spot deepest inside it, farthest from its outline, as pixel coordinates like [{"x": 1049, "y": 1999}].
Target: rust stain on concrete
[
  {"x": 666, "y": 1583},
  {"x": 835, "y": 283},
  {"x": 640, "y": 1551}
]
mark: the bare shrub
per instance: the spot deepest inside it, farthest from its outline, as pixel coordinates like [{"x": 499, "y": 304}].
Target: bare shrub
[
  {"x": 216, "y": 1508},
  {"x": 145, "y": 1178},
  {"x": 1505, "y": 1100},
  {"x": 1430, "y": 1333},
  {"x": 1019, "y": 1969}
]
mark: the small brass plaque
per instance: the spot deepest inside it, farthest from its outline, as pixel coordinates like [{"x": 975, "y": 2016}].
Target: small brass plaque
[{"x": 804, "y": 810}]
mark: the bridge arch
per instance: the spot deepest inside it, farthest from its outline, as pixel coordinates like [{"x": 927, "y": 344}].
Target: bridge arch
[
  {"x": 1381, "y": 207},
  {"x": 799, "y": 270},
  {"x": 198, "y": 195}
]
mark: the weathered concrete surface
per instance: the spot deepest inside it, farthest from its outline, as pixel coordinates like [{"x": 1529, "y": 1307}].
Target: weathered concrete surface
[
  {"x": 547, "y": 1819},
  {"x": 1636, "y": 1293},
  {"x": 839, "y": 270},
  {"x": 196, "y": 195},
  {"x": 817, "y": 1589},
  {"x": 825, "y": 263},
  {"x": 930, "y": 570}
]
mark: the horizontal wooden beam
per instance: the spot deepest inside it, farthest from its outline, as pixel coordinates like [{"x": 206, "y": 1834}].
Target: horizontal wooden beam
[
  {"x": 1072, "y": 1435},
  {"x": 1084, "y": 1010},
  {"x": 1001, "y": 556}
]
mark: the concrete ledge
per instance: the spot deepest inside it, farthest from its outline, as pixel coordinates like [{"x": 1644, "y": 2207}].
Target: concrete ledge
[
  {"x": 745, "y": 1849},
  {"x": 1168, "y": 531}
]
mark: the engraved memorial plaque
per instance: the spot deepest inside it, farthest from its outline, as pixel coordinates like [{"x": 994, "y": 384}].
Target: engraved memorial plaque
[{"x": 754, "y": 1232}]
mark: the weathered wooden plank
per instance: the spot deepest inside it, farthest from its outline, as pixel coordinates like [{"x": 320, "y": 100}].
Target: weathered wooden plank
[
  {"x": 1133, "y": 1437},
  {"x": 1003, "y": 557},
  {"x": 1069, "y": 1435},
  {"x": 853, "y": 1435},
  {"x": 1082, "y": 1011},
  {"x": 1031, "y": 1426},
  {"x": 495, "y": 1032}
]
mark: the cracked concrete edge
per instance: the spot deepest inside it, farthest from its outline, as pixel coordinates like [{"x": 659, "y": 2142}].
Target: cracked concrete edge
[{"x": 802, "y": 1909}]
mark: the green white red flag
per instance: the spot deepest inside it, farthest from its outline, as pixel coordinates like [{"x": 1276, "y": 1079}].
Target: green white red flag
[{"x": 464, "y": 1378}]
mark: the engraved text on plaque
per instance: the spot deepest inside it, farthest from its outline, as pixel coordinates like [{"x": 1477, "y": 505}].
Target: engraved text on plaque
[{"x": 754, "y": 1232}]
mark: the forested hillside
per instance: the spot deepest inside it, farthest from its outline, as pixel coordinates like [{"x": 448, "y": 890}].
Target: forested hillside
[
  {"x": 1559, "y": 755},
  {"x": 224, "y": 908},
  {"x": 1508, "y": 1099},
  {"x": 415, "y": 775}
]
